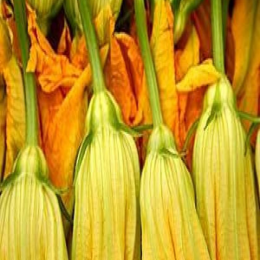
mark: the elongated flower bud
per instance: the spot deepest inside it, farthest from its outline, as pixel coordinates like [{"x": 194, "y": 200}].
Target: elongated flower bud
[
  {"x": 72, "y": 10},
  {"x": 224, "y": 180},
  {"x": 30, "y": 220},
  {"x": 5, "y": 45},
  {"x": 170, "y": 225},
  {"x": 106, "y": 220}
]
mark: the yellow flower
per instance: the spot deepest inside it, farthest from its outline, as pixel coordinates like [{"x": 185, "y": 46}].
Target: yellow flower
[
  {"x": 106, "y": 220},
  {"x": 30, "y": 220},
  {"x": 170, "y": 225},
  {"x": 224, "y": 179}
]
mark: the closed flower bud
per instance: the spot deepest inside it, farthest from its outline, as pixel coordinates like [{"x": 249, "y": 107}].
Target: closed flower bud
[
  {"x": 106, "y": 218},
  {"x": 170, "y": 225},
  {"x": 30, "y": 220},
  {"x": 73, "y": 15},
  {"x": 45, "y": 11},
  {"x": 5, "y": 45},
  {"x": 224, "y": 179}
]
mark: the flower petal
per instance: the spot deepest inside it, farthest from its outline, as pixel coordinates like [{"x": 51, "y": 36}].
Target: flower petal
[
  {"x": 198, "y": 76},
  {"x": 162, "y": 46},
  {"x": 52, "y": 70},
  {"x": 15, "y": 117}
]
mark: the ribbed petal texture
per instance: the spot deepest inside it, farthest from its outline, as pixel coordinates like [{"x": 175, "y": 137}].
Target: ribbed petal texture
[
  {"x": 30, "y": 222},
  {"x": 106, "y": 221},
  {"x": 170, "y": 225},
  {"x": 225, "y": 187}
]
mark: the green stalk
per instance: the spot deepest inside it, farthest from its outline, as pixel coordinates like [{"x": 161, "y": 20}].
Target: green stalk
[
  {"x": 217, "y": 35},
  {"x": 92, "y": 45},
  {"x": 29, "y": 80},
  {"x": 148, "y": 62},
  {"x": 225, "y": 5}
]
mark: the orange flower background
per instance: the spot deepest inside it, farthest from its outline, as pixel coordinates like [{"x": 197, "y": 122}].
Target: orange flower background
[{"x": 184, "y": 70}]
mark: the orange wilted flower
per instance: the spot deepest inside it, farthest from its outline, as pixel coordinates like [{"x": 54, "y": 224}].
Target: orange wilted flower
[{"x": 62, "y": 98}]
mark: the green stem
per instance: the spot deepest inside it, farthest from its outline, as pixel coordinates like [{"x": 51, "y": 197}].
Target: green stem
[
  {"x": 92, "y": 46},
  {"x": 225, "y": 5},
  {"x": 148, "y": 62},
  {"x": 217, "y": 35},
  {"x": 29, "y": 80}
]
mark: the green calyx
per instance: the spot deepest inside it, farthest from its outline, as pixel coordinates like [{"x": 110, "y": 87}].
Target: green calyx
[
  {"x": 218, "y": 95},
  {"x": 103, "y": 111},
  {"x": 161, "y": 141},
  {"x": 30, "y": 161}
]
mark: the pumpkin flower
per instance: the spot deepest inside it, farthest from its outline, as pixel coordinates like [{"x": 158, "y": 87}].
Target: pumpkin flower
[
  {"x": 35, "y": 226},
  {"x": 170, "y": 225},
  {"x": 225, "y": 188},
  {"x": 106, "y": 218},
  {"x": 224, "y": 179}
]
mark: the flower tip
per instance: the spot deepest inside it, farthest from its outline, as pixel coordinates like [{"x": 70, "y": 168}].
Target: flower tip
[{"x": 5, "y": 43}]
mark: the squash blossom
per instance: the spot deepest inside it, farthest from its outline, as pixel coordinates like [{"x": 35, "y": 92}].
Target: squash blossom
[
  {"x": 30, "y": 220},
  {"x": 170, "y": 225},
  {"x": 106, "y": 217},
  {"x": 223, "y": 175},
  {"x": 106, "y": 220}
]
